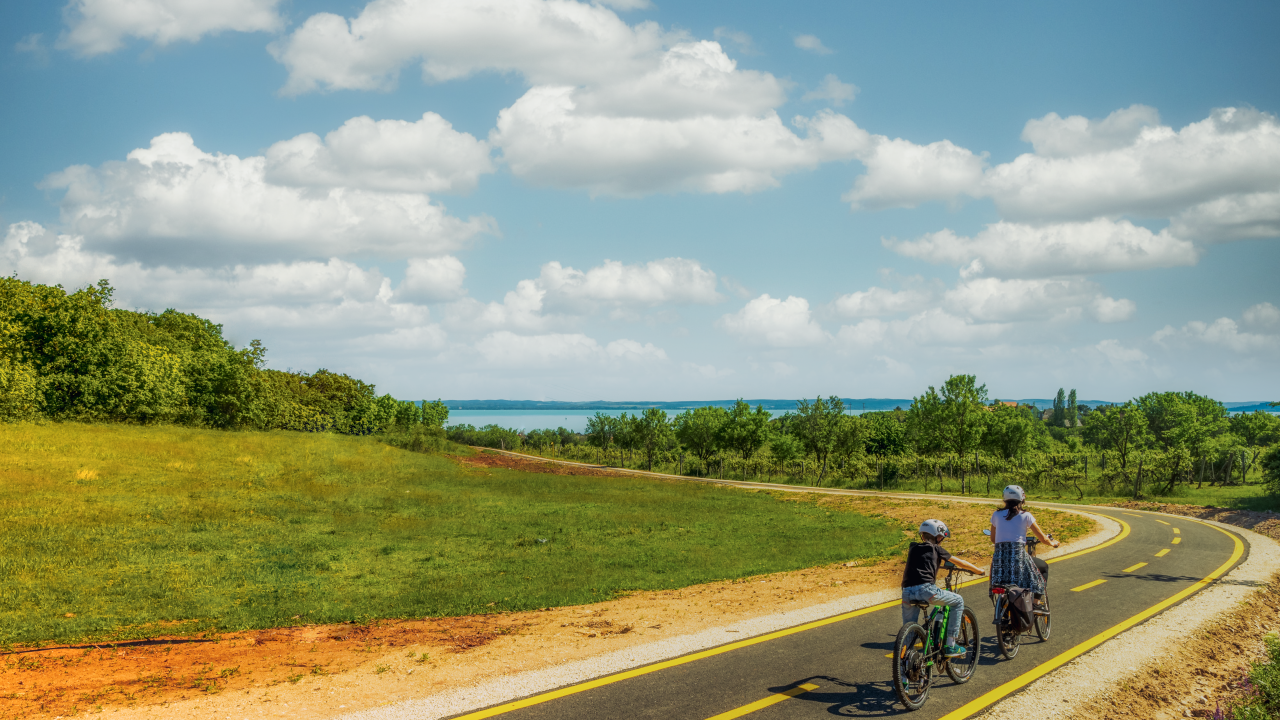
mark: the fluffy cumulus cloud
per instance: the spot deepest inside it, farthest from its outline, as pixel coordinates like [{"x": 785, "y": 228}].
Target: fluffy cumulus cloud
[
  {"x": 1262, "y": 315},
  {"x": 812, "y": 43},
  {"x": 95, "y": 27},
  {"x": 774, "y": 322},
  {"x": 433, "y": 279},
  {"x": 933, "y": 327},
  {"x": 1008, "y": 249},
  {"x": 1221, "y": 333},
  {"x": 1217, "y": 179},
  {"x": 173, "y": 202},
  {"x": 612, "y": 108},
  {"x": 903, "y": 174},
  {"x": 670, "y": 280},
  {"x": 425, "y": 156},
  {"x": 555, "y": 350},
  {"x": 878, "y": 301},
  {"x": 995, "y": 300}
]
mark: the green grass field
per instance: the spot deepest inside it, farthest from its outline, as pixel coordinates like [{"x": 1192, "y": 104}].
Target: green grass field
[{"x": 113, "y": 531}]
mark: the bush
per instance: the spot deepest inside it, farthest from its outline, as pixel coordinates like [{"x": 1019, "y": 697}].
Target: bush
[
  {"x": 1263, "y": 699},
  {"x": 1270, "y": 463}
]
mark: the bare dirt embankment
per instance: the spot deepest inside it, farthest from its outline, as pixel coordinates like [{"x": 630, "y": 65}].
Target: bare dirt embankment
[{"x": 321, "y": 671}]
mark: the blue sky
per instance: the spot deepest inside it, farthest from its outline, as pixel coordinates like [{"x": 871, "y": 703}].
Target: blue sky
[{"x": 633, "y": 200}]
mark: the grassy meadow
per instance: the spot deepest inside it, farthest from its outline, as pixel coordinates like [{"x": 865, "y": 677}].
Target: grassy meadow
[{"x": 116, "y": 531}]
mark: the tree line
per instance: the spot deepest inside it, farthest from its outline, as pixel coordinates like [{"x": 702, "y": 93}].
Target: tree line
[
  {"x": 73, "y": 356},
  {"x": 1149, "y": 443}
]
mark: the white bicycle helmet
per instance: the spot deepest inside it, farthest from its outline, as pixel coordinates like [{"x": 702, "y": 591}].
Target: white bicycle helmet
[
  {"x": 936, "y": 528},
  {"x": 1015, "y": 492}
]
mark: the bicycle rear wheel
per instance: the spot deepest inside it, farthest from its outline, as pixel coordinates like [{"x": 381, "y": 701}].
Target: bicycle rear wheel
[
  {"x": 911, "y": 675},
  {"x": 1007, "y": 638},
  {"x": 961, "y": 668},
  {"x": 1044, "y": 623}
]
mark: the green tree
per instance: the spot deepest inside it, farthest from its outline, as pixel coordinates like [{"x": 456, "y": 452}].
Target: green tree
[
  {"x": 1121, "y": 428},
  {"x": 1010, "y": 431},
  {"x": 817, "y": 426},
  {"x": 698, "y": 429},
  {"x": 1257, "y": 428},
  {"x": 1060, "y": 408},
  {"x": 744, "y": 431},
  {"x": 1183, "y": 419},
  {"x": 851, "y": 437},
  {"x": 651, "y": 431},
  {"x": 1270, "y": 464},
  {"x": 886, "y": 434},
  {"x": 601, "y": 429},
  {"x": 1073, "y": 412},
  {"x": 784, "y": 447},
  {"x": 963, "y": 414}
]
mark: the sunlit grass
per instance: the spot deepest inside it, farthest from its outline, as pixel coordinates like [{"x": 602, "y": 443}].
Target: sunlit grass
[{"x": 126, "y": 531}]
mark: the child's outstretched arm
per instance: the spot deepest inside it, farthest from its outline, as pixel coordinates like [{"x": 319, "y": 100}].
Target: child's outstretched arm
[{"x": 967, "y": 566}]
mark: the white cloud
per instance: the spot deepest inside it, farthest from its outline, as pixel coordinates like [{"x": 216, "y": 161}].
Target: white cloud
[
  {"x": 1233, "y": 217},
  {"x": 1221, "y": 333},
  {"x": 556, "y": 350},
  {"x": 520, "y": 309},
  {"x": 172, "y": 202},
  {"x": 903, "y": 174},
  {"x": 393, "y": 155},
  {"x": 547, "y": 42},
  {"x": 1119, "y": 354},
  {"x": 1262, "y": 315},
  {"x": 877, "y": 301},
  {"x": 934, "y": 326},
  {"x": 34, "y": 46},
  {"x": 100, "y": 26},
  {"x": 670, "y": 280},
  {"x": 1158, "y": 173},
  {"x": 1007, "y": 249},
  {"x": 995, "y": 300},
  {"x": 775, "y": 322},
  {"x": 546, "y": 140},
  {"x": 1058, "y": 137},
  {"x": 812, "y": 44},
  {"x": 433, "y": 279},
  {"x": 832, "y": 89}
]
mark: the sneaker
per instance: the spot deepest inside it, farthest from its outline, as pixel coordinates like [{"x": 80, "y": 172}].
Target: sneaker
[{"x": 953, "y": 651}]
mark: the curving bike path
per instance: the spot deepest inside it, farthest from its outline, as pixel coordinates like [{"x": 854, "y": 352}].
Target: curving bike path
[{"x": 839, "y": 666}]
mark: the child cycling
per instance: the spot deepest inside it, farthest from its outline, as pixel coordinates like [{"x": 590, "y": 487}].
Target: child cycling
[
  {"x": 1011, "y": 565},
  {"x": 920, "y": 578}
]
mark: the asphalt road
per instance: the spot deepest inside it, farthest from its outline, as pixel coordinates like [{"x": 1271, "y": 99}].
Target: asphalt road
[{"x": 840, "y": 668}]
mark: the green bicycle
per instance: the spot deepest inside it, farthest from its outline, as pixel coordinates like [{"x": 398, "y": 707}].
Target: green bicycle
[{"x": 917, "y": 653}]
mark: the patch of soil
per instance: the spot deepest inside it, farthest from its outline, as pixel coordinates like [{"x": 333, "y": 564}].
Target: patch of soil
[
  {"x": 1204, "y": 675},
  {"x": 1263, "y": 523},
  {"x": 319, "y": 671}
]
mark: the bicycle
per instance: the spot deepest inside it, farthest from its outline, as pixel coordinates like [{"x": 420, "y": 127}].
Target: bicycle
[
  {"x": 1007, "y": 637},
  {"x": 917, "y": 651}
]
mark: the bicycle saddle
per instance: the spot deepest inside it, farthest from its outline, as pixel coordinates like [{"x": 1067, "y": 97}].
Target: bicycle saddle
[{"x": 919, "y": 603}]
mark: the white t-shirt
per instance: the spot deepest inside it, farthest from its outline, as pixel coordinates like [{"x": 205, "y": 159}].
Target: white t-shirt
[{"x": 1014, "y": 530}]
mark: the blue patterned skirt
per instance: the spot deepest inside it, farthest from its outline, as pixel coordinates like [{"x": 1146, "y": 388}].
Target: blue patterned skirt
[{"x": 1011, "y": 565}]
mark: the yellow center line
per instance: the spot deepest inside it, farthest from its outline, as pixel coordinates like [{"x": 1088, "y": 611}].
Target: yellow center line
[
  {"x": 762, "y": 704},
  {"x": 1130, "y": 514},
  {"x": 1163, "y": 552},
  {"x": 1135, "y": 567},
  {"x": 1177, "y": 540},
  {"x": 1176, "y": 531},
  {"x": 1162, "y": 522},
  {"x": 1045, "y": 668},
  {"x": 675, "y": 662},
  {"x": 1086, "y": 586}
]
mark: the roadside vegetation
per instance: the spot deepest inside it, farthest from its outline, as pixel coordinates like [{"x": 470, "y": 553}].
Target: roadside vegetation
[
  {"x": 1170, "y": 446},
  {"x": 116, "y": 531}
]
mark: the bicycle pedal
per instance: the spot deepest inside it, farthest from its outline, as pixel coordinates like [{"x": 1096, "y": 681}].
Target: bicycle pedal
[{"x": 1042, "y": 613}]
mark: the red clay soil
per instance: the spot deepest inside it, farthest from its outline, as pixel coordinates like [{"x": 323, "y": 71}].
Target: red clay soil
[{"x": 67, "y": 680}]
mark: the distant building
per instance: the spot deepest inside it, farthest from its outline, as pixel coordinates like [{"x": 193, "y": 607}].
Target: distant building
[{"x": 1047, "y": 415}]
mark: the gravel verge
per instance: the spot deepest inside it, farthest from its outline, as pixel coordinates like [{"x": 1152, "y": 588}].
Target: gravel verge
[
  {"x": 511, "y": 687},
  {"x": 1066, "y": 692}
]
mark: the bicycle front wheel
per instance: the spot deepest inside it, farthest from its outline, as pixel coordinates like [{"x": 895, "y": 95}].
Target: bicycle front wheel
[
  {"x": 911, "y": 674},
  {"x": 961, "y": 668},
  {"x": 1044, "y": 623}
]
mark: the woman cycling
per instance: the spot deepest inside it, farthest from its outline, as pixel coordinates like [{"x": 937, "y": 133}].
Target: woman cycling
[{"x": 1010, "y": 564}]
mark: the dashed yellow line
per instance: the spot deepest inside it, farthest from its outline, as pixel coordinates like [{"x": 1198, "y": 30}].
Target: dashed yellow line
[
  {"x": 1162, "y": 522},
  {"x": 1163, "y": 552},
  {"x": 1086, "y": 586},
  {"x": 1135, "y": 567},
  {"x": 1177, "y": 540},
  {"x": 762, "y": 704},
  {"x": 1176, "y": 531},
  {"x": 1131, "y": 514}
]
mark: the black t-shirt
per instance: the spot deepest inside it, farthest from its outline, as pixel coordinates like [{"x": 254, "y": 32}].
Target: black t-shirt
[{"x": 922, "y": 563}]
